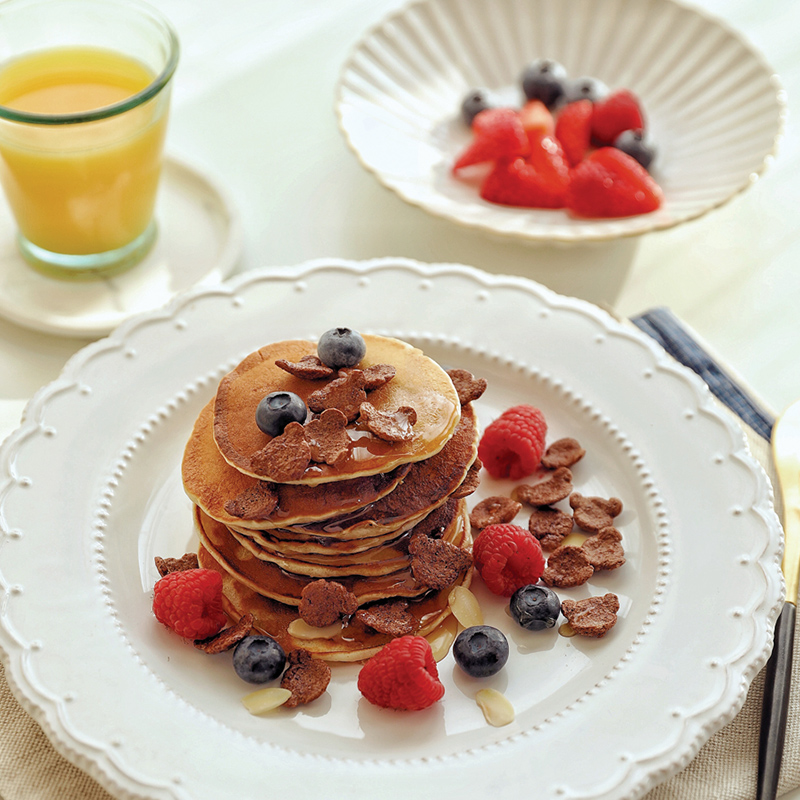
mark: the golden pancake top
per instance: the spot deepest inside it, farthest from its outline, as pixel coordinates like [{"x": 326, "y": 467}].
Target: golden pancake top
[
  {"x": 211, "y": 483},
  {"x": 419, "y": 383}
]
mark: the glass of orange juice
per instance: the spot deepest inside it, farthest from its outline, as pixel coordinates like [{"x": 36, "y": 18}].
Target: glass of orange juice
[{"x": 84, "y": 101}]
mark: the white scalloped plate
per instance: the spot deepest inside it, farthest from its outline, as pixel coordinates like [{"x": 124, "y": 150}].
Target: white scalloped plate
[
  {"x": 90, "y": 492},
  {"x": 713, "y": 105}
]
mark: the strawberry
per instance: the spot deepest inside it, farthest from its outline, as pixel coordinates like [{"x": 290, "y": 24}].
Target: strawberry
[
  {"x": 609, "y": 183},
  {"x": 537, "y": 120},
  {"x": 497, "y": 133},
  {"x": 618, "y": 112},
  {"x": 574, "y": 130},
  {"x": 539, "y": 182},
  {"x": 403, "y": 675}
]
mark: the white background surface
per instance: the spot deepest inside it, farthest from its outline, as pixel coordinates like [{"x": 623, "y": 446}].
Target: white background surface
[{"x": 253, "y": 105}]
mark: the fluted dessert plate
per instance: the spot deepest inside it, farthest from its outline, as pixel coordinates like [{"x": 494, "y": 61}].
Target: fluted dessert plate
[
  {"x": 712, "y": 104},
  {"x": 90, "y": 493}
]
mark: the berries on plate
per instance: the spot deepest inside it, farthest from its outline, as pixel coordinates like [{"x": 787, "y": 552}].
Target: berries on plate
[
  {"x": 535, "y": 608},
  {"x": 633, "y": 143},
  {"x": 544, "y": 79},
  {"x": 402, "y": 675},
  {"x": 341, "y": 347},
  {"x": 481, "y": 651},
  {"x": 277, "y": 410},
  {"x": 189, "y": 602},
  {"x": 537, "y": 120},
  {"x": 474, "y": 102},
  {"x": 258, "y": 659},
  {"x": 512, "y": 445},
  {"x": 609, "y": 183},
  {"x": 497, "y": 133},
  {"x": 574, "y": 130},
  {"x": 507, "y": 557},
  {"x": 618, "y": 112}
]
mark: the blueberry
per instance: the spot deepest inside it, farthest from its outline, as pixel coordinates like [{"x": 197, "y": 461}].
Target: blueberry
[
  {"x": 258, "y": 659},
  {"x": 584, "y": 89},
  {"x": 277, "y": 410},
  {"x": 544, "y": 79},
  {"x": 476, "y": 101},
  {"x": 634, "y": 144},
  {"x": 341, "y": 347},
  {"x": 535, "y": 607},
  {"x": 481, "y": 651}
]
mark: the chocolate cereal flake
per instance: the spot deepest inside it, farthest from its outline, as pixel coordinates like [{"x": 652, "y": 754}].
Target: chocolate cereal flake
[
  {"x": 436, "y": 563},
  {"x": 327, "y": 437},
  {"x": 227, "y": 638},
  {"x": 552, "y": 489},
  {"x": 167, "y": 565},
  {"x": 563, "y": 453},
  {"x": 494, "y": 510},
  {"x": 471, "y": 481},
  {"x": 594, "y": 616},
  {"x": 391, "y": 426},
  {"x": 377, "y": 375},
  {"x": 306, "y": 678},
  {"x": 593, "y": 513},
  {"x": 324, "y": 602},
  {"x": 467, "y": 386},
  {"x": 309, "y": 368},
  {"x": 286, "y": 457},
  {"x": 256, "y": 502},
  {"x": 392, "y": 618},
  {"x": 567, "y": 566},
  {"x": 346, "y": 393},
  {"x": 604, "y": 550},
  {"x": 550, "y": 526}
]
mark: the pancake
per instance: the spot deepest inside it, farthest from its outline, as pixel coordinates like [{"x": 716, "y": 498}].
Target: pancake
[
  {"x": 356, "y": 642},
  {"x": 210, "y": 482},
  {"x": 419, "y": 383},
  {"x": 382, "y": 560},
  {"x": 427, "y": 485},
  {"x": 271, "y": 581}
]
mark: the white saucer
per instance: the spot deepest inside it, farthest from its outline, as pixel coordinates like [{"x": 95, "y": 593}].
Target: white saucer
[{"x": 199, "y": 241}]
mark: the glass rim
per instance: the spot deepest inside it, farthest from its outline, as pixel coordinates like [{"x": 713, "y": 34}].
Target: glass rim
[{"x": 113, "y": 110}]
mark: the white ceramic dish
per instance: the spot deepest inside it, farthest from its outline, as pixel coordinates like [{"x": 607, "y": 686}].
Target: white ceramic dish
[
  {"x": 90, "y": 492},
  {"x": 199, "y": 242},
  {"x": 712, "y": 104}
]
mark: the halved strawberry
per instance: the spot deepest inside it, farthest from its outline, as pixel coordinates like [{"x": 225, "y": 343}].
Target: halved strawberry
[
  {"x": 541, "y": 181},
  {"x": 497, "y": 133},
  {"x": 619, "y": 112},
  {"x": 574, "y": 130},
  {"x": 537, "y": 119},
  {"x": 609, "y": 183}
]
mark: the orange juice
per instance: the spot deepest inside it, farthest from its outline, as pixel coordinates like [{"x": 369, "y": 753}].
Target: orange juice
[{"x": 87, "y": 186}]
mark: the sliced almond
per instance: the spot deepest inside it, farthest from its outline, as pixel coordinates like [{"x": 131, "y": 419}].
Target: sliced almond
[
  {"x": 441, "y": 638},
  {"x": 465, "y": 607},
  {"x": 496, "y": 707},
  {"x": 300, "y": 629},
  {"x": 264, "y": 700}
]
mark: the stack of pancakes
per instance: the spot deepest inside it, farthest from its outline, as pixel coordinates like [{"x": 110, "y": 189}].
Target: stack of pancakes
[{"x": 272, "y": 530}]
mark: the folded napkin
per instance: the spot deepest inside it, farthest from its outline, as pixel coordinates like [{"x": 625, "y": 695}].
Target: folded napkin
[{"x": 724, "y": 769}]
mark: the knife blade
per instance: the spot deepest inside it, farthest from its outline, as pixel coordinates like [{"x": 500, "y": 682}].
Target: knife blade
[{"x": 786, "y": 457}]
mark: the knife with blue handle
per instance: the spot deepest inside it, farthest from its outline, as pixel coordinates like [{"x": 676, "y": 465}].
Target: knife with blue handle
[{"x": 786, "y": 456}]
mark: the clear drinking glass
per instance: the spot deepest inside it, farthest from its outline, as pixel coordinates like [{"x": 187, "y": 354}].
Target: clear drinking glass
[{"x": 84, "y": 102}]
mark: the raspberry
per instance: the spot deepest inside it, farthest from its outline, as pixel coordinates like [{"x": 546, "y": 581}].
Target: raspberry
[
  {"x": 497, "y": 133},
  {"x": 190, "y": 603},
  {"x": 402, "y": 675},
  {"x": 609, "y": 183},
  {"x": 512, "y": 445},
  {"x": 507, "y": 558}
]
